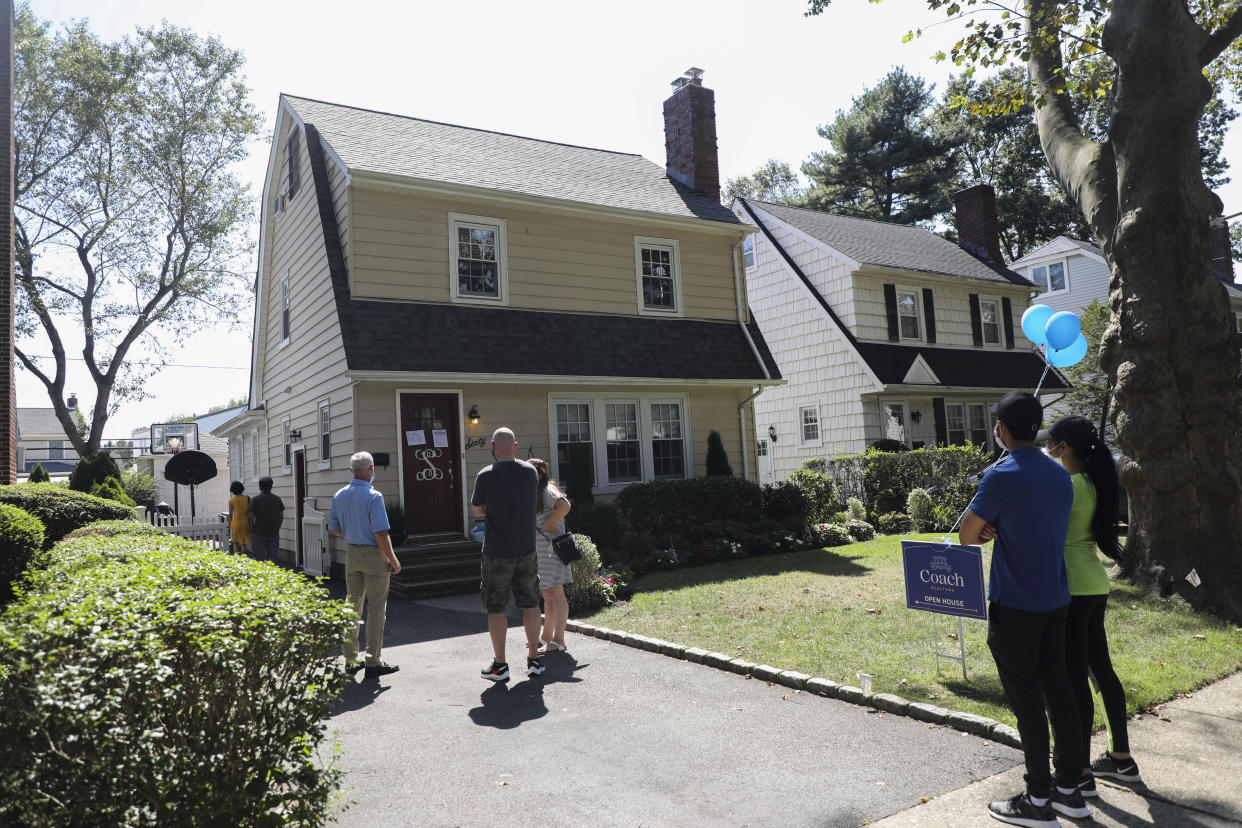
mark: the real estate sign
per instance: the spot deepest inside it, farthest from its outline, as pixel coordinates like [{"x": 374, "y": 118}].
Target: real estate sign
[{"x": 945, "y": 578}]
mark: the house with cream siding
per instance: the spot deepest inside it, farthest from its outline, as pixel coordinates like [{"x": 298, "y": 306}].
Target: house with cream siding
[
  {"x": 883, "y": 331},
  {"x": 421, "y": 284}
]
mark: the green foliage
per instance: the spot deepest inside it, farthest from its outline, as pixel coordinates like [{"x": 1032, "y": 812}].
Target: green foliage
[
  {"x": 579, "y": 474},
  {"x": 921, "y": 509},
  {"x": 775, "y": 182},
  {"x": 603, "y": 523},
  {"x": 717, "y": 459},
  {"x": 893, "y": 523},
  {"x": 140, "y": 487},
  {"x": 397, "y": 518},
  {"x": 832, "y": 534},
  {"x": 21, "y": 537},
  {"x": 855, "y": 508},
  {"x": 111, "y": 489},
  {"x": 665, "y": 506},
  {"x": 146, "y": 681},
  {"x": 1091, "y": 393},
  {"x": 884, "y": 480},
  {"x": 593, "y": 588},
  {"x": 61, "y": 510},
  {"x": 860, "y": 530},
  {"x": 888, "y": 444},
  {"x": 889, "y": 159},
  {"x": 39, "y": 475},
  {"x": 784, "y": 500},
  {"x": 91, "y": 470},
  {"x": 819, "y": 488}
]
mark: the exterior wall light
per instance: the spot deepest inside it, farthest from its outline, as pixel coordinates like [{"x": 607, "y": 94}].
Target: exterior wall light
[
  {"x": 772, "y": 433},
  {"x": 295, "y": 435},
  {"x": 916, "y": 415},
  {"x": 474, "y": 415}
]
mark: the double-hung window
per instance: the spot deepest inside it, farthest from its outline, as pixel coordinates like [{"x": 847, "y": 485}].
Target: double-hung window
[
  {"x": 287, "y": 441},
  {"x": 989, "y": 316},
  {"x": 657, "y": 265},
  {"x": 966, "y": 423},
  {"x": 478, "y": 250},
  {"x": 748, "y": 252},
  {"x": 325, "y": 434},
  {"x": 808, "y": 423},
  {"x": 573, "y": 426},
  {"x": 621, "y": 442},
  {"x": 632, "y": 440},
  {"x": 1050, "y": 278},
  {"x": 908, "y": 313},
  {"x": 668, "y": 448}
]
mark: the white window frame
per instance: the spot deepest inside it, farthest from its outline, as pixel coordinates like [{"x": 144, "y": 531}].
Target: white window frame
[
  {"x": 749, "y": 239},
  {"x": 324, "y": 407},
  {"x": 988, "y": 421},
  {"x": 1000, "y": 322},
  {"x": 499, "y": 225},
  {"x": 761, "y": 445},
  {"x": 651, "y": 242},
  {"x": 917, "y": 293},
  {"x": 638, "y": 423},
  {"x": 286, "y": 313},
  {"x": 800, "y": 424},
  {"x": 286, "y": 448},
  {"x": 1046, "y": 267},
  {"x": 252, "y": 464},
  {"x": 905, "y": 415},
  {"x": 599, "y": 434}
]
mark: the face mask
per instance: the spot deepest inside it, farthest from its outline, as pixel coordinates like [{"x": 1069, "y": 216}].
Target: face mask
[{"x": 1000, "y": 441}]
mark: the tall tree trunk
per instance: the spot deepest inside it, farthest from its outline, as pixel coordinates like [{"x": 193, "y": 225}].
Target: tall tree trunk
[{"x": 1168, "y": 347}]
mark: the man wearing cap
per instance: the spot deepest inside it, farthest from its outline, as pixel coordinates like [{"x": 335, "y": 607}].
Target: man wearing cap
[{"x": 1024, "y": 503}]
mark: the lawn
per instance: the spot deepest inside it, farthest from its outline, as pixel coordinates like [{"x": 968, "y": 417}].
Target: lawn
[{"x": 837, "y": 611}]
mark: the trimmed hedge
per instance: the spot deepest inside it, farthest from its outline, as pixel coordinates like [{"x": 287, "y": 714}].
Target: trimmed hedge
[
  {"x": 21, "y": 537},
  {"x": 784, "y": 500},
  {"x": 664, "y": 506},
  {"x": 146, "y": 681},
  {"x": 819, "y": 487},
  {"x": 111, "y": 489},
  {"x": 61, "y": 510},
  {"x": 93, "y": 469},
  {"x": 603, "y": 523},
  {"x": 883, "y": 480}
]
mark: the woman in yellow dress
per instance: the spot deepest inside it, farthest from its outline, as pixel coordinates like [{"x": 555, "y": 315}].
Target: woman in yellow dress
[{"x": 239, "y": 518}]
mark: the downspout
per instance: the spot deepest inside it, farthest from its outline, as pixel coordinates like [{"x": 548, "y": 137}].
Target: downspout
[{"x": 741, "y": 323}]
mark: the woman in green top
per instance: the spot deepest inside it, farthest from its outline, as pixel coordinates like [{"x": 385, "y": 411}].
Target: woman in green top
[{"x": 1092, "y": 526}]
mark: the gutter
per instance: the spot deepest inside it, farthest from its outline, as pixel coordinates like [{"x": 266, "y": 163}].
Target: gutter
[
  {"x": 741, "y": 423},
  {"x": 741, "y": 322}
]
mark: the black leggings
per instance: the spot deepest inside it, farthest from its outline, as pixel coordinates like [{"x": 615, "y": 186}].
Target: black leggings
[{"x": 1086, "y": 649}]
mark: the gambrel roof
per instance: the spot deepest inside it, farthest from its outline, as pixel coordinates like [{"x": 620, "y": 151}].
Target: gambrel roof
[
  {"x": 902, "y": 246},
  {"x": 379, "y": 142}
]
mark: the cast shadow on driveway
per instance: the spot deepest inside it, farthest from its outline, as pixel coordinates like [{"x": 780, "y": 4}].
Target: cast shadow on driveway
[{"x": 505, "y": 707}]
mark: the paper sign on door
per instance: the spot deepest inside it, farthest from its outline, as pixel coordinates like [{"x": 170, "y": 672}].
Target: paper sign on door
[
  {"x": 416, "y": 438},
  {"x": 439, "y": 437}
]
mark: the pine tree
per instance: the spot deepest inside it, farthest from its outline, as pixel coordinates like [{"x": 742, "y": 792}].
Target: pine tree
[{"x": 717, "y": 459}]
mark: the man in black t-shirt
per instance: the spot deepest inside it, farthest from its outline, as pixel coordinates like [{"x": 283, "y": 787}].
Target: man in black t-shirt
[
  {"x": 267, "y": 513},
  {"x": 505, "y": 495}
]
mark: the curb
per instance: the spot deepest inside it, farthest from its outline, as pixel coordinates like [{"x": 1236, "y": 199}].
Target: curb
[{"x": 970, "y": 723}]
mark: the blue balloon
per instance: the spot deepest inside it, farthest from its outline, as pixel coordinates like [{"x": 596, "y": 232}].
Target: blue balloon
[
  {"x": 1065, "y": 357},
  {"x": 1034, "y": 319},
  {"x": 1062, "y": 330}
]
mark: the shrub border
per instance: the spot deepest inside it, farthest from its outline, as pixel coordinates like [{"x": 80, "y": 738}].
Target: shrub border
[{"x": 971, "y": 723}]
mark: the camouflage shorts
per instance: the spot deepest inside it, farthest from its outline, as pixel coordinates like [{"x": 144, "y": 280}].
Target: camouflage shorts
[{"x": 502, "y": 575}]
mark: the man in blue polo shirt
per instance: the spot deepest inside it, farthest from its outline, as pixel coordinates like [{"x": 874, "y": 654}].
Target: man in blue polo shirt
[
  {"x": 1024, "y": 503},
  {"x": 358, "y": 515}
]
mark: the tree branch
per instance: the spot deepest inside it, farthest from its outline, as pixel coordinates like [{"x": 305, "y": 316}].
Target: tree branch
[{"x": 1219, "y": 40}]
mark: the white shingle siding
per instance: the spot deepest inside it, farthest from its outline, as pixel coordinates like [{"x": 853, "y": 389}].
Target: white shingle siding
[{"x": 1086, "y": 274}]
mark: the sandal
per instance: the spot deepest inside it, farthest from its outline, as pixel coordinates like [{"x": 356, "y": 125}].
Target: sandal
[{"x": 550, "y": 647}]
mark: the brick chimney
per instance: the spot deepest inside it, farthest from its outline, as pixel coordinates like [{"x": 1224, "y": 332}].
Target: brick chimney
[
  {"x": 977, "y": 228},
  {"x": 1221, "y": 249},
  {"x": 690, "y": 135},
  {"x": 72, "y": 402}
]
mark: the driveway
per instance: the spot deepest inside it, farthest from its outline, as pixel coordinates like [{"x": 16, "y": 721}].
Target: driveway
[{"x": 611, "y": 735}]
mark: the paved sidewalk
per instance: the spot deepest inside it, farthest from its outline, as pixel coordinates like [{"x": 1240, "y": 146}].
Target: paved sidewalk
[
  {"x": 612, "y": 735},
  {"x": 1190, "y": 755}
]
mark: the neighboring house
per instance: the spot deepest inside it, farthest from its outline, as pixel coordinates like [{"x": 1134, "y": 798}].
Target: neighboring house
[
  {"x": 421, "y": 284},
  {"x": 211, "y": 498},
  {"x": 41, "y": 441},
  {"x": 1068, "y": 273},
  {"x": 883, "y": 330}
]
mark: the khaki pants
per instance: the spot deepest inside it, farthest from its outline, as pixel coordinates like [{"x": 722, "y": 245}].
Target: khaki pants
[{"x": 366, "y": 578}]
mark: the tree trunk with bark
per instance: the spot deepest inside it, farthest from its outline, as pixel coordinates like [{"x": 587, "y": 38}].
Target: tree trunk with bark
[{"x": 1168, "y": 349}]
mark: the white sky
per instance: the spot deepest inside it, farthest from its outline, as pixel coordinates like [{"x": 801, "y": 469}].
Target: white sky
[{"x": 586, "y": 73}]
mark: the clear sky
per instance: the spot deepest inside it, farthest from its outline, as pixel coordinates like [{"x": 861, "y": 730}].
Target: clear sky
[{"x": 593, "y": 74}]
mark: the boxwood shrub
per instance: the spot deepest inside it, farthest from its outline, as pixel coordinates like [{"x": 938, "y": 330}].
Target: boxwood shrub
[
  {"x": 602, "y": 522},
  {"x": 21, "y": 536},
  {"x": 663, "y": 506},
  {"x": 61, "y": 510},
  {"x": 884, "y": 480},
  {"x": 147, "y": 681}
]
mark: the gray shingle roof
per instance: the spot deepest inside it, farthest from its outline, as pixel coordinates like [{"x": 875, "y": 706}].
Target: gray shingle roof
[
  {"x": 381, "y": 142},
  {"x": 1231, "y": 287},
  {"x": 38, "y": 421},
  {"x": 960, "y": 368},
  {"x": 902, "y": 246}
]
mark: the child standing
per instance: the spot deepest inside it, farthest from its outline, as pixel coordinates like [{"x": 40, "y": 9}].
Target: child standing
[{"x": 239, "y": 518}]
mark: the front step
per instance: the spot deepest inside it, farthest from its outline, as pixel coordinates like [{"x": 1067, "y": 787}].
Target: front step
[{"x": 436, "y": 569}]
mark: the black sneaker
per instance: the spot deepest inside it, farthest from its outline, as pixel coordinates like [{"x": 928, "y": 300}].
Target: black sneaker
[
  {"x": 1086, "y": 787},
  {"x": 352, "y": 667},
  {"x": 498, "y": 671},
  {"x": 381, "y": 669},
  {"x": 1070, "y": 803},
  {"x": 1021, "y": 811},
  {"x": 534, "y": 667},
  {"x": 1108, "y": 766}
]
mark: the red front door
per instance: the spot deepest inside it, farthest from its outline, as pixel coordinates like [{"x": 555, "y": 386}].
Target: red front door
[{"x": 431, "y": 460}]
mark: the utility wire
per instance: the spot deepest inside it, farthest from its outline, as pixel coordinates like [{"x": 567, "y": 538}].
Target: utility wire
[{"x": 147, "y": 362}]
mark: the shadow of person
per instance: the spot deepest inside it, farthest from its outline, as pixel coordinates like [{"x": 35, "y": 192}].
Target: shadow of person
[
  {"x": 505, "y": 707},
  {"x": 560, "y": 668},
  {"x": 1153, "y": 809},
  {"x": 356, "y": 695}
]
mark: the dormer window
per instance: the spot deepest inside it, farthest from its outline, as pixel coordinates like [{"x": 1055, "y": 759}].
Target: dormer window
[
  {"x": 989, "y": 315},
  {"x": 657, "y": 264},
  {"x": 478, "y": 250},
  {"x": 1050, "y": 278},
  {"x": 908, "y": 313}
]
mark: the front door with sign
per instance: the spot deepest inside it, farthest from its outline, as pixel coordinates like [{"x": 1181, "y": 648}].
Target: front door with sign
[{"x": 431, "y": 462}]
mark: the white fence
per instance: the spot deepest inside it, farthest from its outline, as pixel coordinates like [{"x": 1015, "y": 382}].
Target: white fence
[
  {"x": 316, "y": 557},
  {"x": 208, "y": 529}
]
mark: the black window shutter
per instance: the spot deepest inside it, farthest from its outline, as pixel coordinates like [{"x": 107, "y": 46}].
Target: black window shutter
[
  {"x": 976, "y": 320},
  {"x": 1007, "y": 311},
  {"x": 890, "y": 305},
  {"x": 942, "y": 432},
  {"x": 929, "y": 315},
  {"x": 295, "y": 168}
]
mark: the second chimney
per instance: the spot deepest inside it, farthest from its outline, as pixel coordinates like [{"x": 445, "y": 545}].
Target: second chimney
[
  {"x": 690, "y": 135},
  {"x": 72, "y": 402},
  {"x": 977, "y": 227},
  {"x": 1222, "y": 250}
]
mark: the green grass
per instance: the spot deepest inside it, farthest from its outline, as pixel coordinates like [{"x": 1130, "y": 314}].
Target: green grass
[{"x": 834, "y": 612}]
